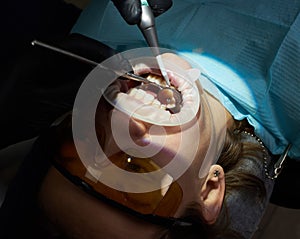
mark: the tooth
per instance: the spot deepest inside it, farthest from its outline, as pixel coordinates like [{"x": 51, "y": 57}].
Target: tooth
[
  {"x": 132, "y": 92},
  {"x": 156, "y": 103},
  {"x": 157, "y": 81},
  {"x": 148, "y": 98},
  {"x": 170, "y": 106},
  {"x": 163, "y": 107},
  {"x": 140, "y": 94}
]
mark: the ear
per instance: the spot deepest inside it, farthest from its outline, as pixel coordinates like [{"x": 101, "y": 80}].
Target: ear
[{"x": 212, "y": 193}]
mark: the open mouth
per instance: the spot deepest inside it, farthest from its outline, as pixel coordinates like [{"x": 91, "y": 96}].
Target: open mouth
[{"x": 154, "y": 102}]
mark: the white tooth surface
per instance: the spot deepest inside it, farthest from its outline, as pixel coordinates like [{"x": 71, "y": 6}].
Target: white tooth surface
[
  {"x": 156, "y": 103},
  {"x": 148, "y": 99},
  {"x": 163, "y": 107},
  {"x": 157, "y": 81},
  {"x": 133, "y": 92},
  {"x": 170, "y": 106},
  {"x": 140, "y": 94}
]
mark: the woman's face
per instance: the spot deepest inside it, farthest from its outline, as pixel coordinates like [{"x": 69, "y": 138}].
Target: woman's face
[{"x": 146, "y": 166}]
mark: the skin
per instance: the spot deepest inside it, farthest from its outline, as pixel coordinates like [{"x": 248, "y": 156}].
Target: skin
[{"x": 80, "y": 215}]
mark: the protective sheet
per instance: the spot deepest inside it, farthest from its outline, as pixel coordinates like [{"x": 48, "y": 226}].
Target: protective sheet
[{"x": 259, "y": 39}]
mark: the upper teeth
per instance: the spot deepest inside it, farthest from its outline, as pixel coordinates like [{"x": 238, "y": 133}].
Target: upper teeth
[
  {"x": 144, "y": 104},
  {"x": 146, "y": 98}
]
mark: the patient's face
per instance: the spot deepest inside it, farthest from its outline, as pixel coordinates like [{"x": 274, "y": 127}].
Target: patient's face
[{"x": 136, "y": 147}]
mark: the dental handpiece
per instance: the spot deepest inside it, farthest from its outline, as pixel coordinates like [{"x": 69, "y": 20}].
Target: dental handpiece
[{"x": 147, "y": 27}]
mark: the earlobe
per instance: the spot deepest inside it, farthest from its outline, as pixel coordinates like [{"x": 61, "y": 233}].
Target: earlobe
[{"x": 212, "y": 193}]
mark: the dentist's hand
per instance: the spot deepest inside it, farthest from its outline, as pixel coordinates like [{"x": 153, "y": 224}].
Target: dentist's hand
[{"x": 131, "y": 10}]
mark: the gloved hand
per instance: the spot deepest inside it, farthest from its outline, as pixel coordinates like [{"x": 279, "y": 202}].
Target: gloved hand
[{"x": 131, "y": 10}]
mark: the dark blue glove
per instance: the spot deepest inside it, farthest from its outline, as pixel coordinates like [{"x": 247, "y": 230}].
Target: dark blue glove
[{"x": 131, "y": 10}]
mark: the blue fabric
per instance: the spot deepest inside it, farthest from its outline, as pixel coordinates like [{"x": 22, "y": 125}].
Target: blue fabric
[{"x": 249, "y": 49}]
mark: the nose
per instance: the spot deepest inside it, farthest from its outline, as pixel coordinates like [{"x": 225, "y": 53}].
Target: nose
[
  {"x": 137, "y": 129},
  {"x": 129, "y": 128}
]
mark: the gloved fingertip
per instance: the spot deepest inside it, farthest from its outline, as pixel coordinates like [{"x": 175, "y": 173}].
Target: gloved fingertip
[
  {"x": 132, "y": 19},
  {"x": 160, "y": 6},
  {"x": 131, "y": 11}
]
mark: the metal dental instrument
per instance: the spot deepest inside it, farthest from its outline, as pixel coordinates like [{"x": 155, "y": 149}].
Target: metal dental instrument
[
  {"x": 279, "y": 164},
  {"x": 64, "y": 52},
  {"x": 127, "y": 75},
  {"x": 147, "y": 27},
  {"x": 165, "y": 93}
]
